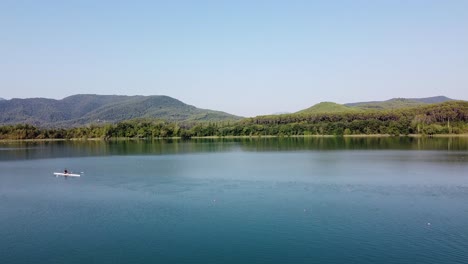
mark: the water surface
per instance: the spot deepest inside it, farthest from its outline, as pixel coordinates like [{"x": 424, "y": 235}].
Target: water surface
[{"x": 292, "y": 200}]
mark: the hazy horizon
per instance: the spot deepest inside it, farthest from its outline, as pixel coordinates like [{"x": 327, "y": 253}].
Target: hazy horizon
[{"x": 244, "y": 58}]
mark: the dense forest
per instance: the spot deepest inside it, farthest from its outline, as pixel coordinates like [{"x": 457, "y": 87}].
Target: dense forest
[
  {"x": 84, "y": 109},
  {"x": 443, "y": 118}
]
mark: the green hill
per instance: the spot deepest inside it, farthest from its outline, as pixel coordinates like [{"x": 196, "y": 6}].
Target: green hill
[
  {"x": 428, "y": 119},
  {"x": 433, "y": 100},
  {"x": 327, "y": 107},
  {"x": 87, "y": 108},
  {"x": 396, "y": 103}
]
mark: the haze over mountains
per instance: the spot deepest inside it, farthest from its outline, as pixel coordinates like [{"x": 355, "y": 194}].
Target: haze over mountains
[{"x": 85, "y": 109}]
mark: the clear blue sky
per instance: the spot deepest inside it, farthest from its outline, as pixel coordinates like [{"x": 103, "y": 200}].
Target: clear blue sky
[{"x": 243, "y": 57}]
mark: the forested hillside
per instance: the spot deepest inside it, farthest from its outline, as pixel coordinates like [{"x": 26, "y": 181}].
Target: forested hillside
[
  {"x": 78, "y": 110},
  {"x": 396, "y": 103},
  {"x": 443, "y": 118},
  {"x": 326, "y": 107}
]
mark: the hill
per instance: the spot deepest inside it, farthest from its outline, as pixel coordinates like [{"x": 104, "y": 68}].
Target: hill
[
  {"x": 440, "y": 118},
  {"x": 326, "y": 107},
  {"x": 396, "y": 103},
  {"x": 432, "y": 100},
  {"x": 88, "y": 108}
]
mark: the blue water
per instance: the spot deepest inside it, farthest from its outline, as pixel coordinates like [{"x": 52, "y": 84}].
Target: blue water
[{"x": 236, "y": 201}]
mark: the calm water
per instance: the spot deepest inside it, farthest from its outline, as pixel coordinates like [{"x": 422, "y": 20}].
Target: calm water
[{"x": 376, "y": 200}]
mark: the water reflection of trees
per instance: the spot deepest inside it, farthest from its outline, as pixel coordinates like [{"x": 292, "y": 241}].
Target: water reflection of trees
[
  {"x": 354, "y": 143},
  {"x": 57, "y": 149}
]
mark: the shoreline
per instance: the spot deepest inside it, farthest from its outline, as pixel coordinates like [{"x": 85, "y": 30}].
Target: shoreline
[{"x": 241, "y": 137}]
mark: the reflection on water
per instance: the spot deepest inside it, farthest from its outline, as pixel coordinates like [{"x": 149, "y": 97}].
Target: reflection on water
[
  {"x": 57, "y": 149},
  {"x": 268, "y": 200}
]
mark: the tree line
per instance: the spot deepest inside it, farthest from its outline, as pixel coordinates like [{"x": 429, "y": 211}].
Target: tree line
[{"x": 444, "y": 118}]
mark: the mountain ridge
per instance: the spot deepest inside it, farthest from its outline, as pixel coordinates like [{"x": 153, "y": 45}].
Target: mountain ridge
[
  {"x": 82, "y": 109},
  {"x": 399, "y": 102},
  {"x": 393, "y": 103},
  {"x": 85, "y": 109},
  {"x": 326, "y": 107}
]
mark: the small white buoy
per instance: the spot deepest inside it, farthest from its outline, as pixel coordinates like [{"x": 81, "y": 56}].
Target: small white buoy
[{"x": 428, "y": 224}]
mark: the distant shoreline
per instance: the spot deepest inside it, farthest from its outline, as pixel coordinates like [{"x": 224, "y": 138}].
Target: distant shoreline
[{"x": 240, "y": 137}]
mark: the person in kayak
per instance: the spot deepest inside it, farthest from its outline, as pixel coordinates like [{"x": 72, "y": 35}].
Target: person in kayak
[{"x": 65, "y": 171}]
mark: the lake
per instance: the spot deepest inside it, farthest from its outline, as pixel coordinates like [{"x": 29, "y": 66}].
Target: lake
[{"x": 289, "y": 200}]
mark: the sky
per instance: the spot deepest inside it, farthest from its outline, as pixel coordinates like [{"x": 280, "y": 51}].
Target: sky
[{"x": 243, "y": 57}]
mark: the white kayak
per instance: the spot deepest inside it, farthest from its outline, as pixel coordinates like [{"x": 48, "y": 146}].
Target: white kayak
[{"x": 66, "y": 174}]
